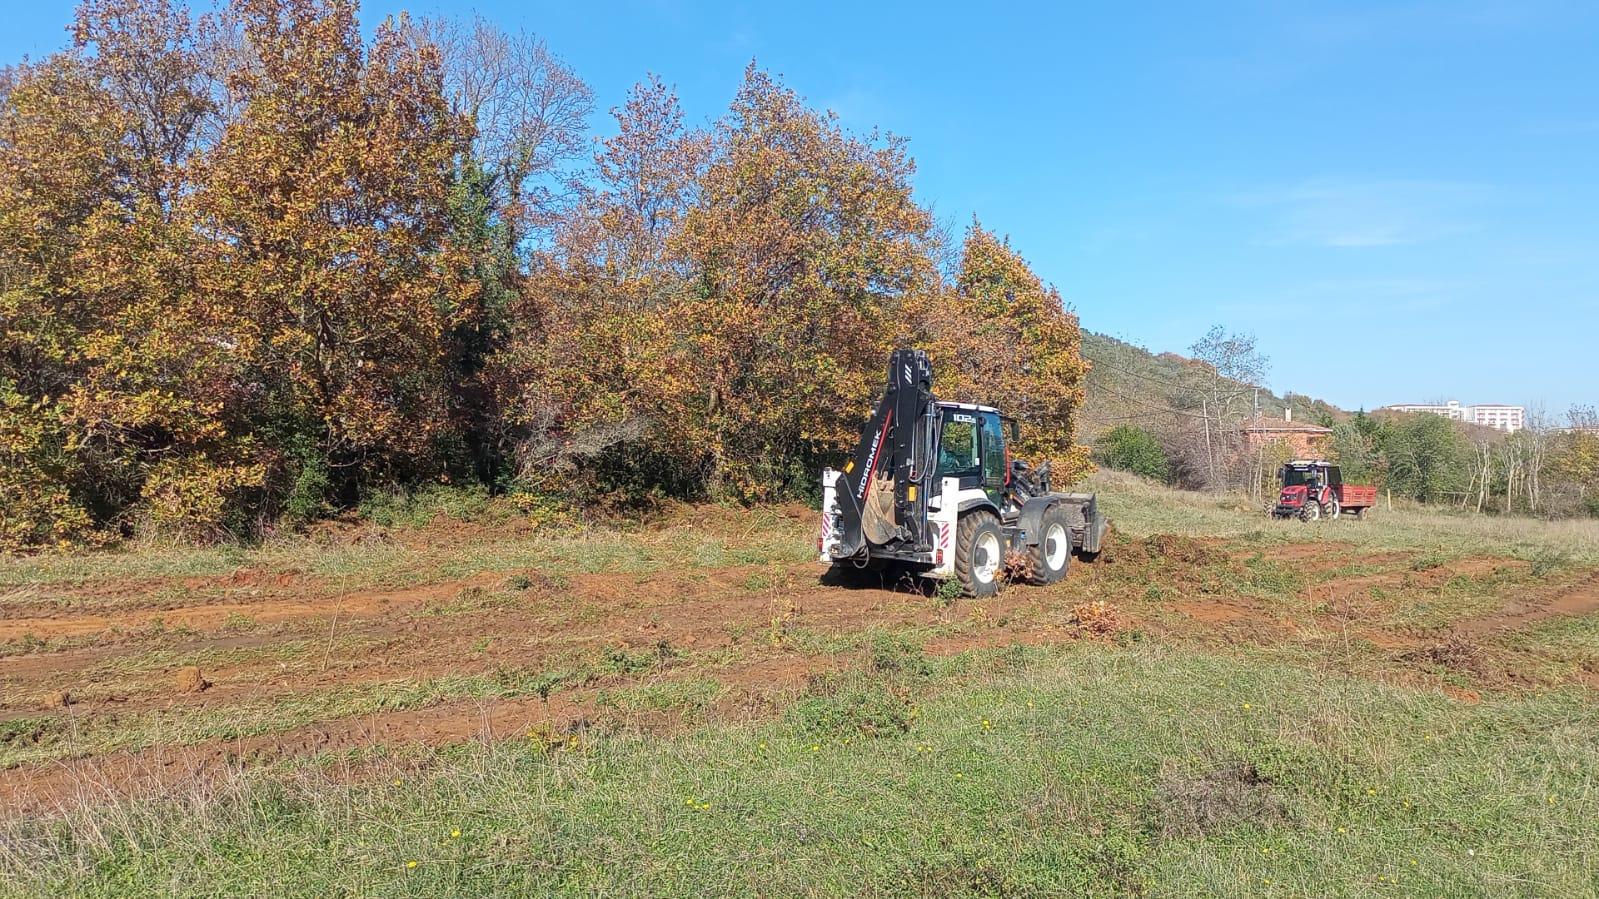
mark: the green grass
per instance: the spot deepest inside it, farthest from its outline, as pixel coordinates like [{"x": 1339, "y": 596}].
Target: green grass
[
  {"x": 1140, "y": 509},
  {"x": 1076, "y": 771},
  {"x": 767, "y": 538},
  {"x": 1157, "y": 766}
]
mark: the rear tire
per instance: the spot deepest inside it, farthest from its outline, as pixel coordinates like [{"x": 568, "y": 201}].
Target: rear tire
[
  {"x": 1053, "y": 554},
  {"x": 979, "y": 553},
  {"x": 1331, "y": 510}
]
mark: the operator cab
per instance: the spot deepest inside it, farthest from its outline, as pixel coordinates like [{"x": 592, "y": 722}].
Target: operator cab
[
  {"x": 973, "y": 447},
  {"x": 1311, "y": 473}
]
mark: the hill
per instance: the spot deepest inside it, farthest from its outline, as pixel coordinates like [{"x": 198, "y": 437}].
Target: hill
[{"x": 1133, "y": 385}]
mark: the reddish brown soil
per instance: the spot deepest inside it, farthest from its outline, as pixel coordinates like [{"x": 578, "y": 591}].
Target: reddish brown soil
[
  {"x": 1581, "y": 599},
  {"x": 732, "y": 624}
]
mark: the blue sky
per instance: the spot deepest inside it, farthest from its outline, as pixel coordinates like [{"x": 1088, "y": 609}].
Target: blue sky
[{"x": 1400, "y": 199}]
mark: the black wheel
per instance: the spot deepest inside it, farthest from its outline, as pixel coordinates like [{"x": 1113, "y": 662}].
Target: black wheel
[
  {"x": 1050, "y": 558},
  {"x": 1331, "y": 510},
  {"x": 979, "y": 553},
  {"x": 1310, "y": 511}
]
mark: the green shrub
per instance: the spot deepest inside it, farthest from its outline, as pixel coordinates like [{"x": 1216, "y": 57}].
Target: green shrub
[{"x": 1133, "y": 449}]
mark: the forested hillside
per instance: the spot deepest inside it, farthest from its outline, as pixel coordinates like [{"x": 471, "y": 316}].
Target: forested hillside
[{"x": 1129, "y": 383}]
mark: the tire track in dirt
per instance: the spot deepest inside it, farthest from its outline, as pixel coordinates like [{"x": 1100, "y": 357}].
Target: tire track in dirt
[
  {"x": 210, "y": 616},
  {"x": 155, "y": 771},
  {"x": 692, "y": 611},
  {"x": 1579, "y": 599}
]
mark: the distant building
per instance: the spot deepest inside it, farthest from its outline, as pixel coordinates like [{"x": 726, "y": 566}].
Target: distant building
[
  {"x": 1509, "y": 419},
  {"x": 1306, "y": 441}
]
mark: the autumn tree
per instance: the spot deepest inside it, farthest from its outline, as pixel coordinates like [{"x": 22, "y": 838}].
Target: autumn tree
[
  {"x": 586, "y": 369},
  {"x": 1000, "y": 336},
  {"x": 328, "y": 207},
  {"x": 109, "y": 254},
  {"x": 801, "y": 248}
]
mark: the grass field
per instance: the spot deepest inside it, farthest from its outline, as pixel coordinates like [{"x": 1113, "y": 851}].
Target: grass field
[{"x": 1220, "y": 705}]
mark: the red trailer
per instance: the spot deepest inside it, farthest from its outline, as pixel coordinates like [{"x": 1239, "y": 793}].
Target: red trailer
[{"x": 1313, "y": 489}]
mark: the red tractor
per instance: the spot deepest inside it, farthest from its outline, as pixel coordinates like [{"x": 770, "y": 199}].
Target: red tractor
[{"x": 1313, "y": 489}]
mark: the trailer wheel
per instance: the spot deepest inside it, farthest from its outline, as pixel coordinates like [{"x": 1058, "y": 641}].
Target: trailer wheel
[
  {"x": 979, "y": 553},
  {"x": 1053, "y": 553}
]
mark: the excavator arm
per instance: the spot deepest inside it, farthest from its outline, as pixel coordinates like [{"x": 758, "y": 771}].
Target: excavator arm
[{"x": 882, "y": 495}]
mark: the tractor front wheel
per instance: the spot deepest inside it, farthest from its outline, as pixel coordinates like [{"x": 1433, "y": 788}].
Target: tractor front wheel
[
  {"x": 1310, "y": 511},
  {"x": 1049, "y": 559},
  {"x": 979, "y": 553}
]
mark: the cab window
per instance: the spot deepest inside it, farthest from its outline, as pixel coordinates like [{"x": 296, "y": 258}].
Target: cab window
[{"x": 957, "y": 449}]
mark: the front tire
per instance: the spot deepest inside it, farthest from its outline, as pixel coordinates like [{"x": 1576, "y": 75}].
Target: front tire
[
  {"x": 1051, "y": 557},
  {"x": 979, "y": 554},
  {"x": 1310, "y": 511}
]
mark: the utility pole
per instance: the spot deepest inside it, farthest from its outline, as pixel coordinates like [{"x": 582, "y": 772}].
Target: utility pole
[{"x": 1210, "y": 454}]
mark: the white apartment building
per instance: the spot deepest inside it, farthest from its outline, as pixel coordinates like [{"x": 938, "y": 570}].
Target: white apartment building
[{"x": 1509, "y": 419}]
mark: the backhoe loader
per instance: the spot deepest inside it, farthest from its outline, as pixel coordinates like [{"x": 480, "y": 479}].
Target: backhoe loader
[{"x": 931, "y": 488}]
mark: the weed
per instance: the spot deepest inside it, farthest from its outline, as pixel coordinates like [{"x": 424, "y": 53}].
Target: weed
[
  {"x": 1429, "y": 560},
  {"x": 1217, "y": 800},
  {"x": 947, "y": 592},
  {"x": 848, "y": 705},
  {"x": 693, "y": 695},
  {"x": 1548, "y": 561},
  {"x": 892, "y": 654},
  {"x": 237, "y": 622}
]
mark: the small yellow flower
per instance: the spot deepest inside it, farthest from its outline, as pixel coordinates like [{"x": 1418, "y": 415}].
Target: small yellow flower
[
  {"x": 396, "y": 781},
  {"x": 1340, "y": 830},
  {"x": 411, "y": 863},
  {"x": 958, "y": 775},
  {"x": 1246, "y": 706},
  {"x": 1370, "y": 791},
  {"x": 688, "y": 802},
  {"x": 816, "y": 747},
  {"x": 455, "y": 834}
]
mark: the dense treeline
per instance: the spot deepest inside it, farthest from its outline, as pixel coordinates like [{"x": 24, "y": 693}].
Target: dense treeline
[
  {"x": 254, "y": 268},
  {"x": 1540, "y": 470}
]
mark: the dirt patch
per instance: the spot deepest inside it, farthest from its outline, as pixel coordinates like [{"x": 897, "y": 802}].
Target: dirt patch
[
  {"x": 211, "y": 616},
  {"x": 1581, "y": 599}
]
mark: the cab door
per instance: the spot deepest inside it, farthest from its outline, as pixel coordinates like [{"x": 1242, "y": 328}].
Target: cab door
[{"x": 996, "y": 462}]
